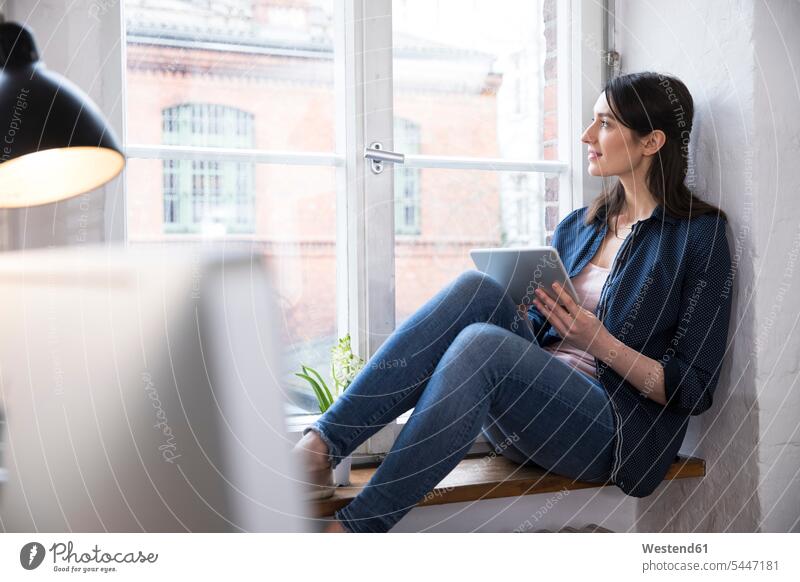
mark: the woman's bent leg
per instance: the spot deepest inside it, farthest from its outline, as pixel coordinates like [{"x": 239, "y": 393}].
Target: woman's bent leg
[
  {"x": 393, "y": 379},
  {"x": 553, "y": 413}
]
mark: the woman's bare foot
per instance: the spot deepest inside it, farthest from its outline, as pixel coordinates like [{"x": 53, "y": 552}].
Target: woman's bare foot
[
  {"x": 335, "y": 527},
  {"x": 312, "y": 455},
  {"x": 313, "y": 451}
]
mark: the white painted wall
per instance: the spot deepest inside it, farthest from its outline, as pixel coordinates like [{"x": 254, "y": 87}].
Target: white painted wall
[
  {"x": 737, "y": 59},
  {"x": 777, "y": 147},
  {"x": 606, "y": 507}
]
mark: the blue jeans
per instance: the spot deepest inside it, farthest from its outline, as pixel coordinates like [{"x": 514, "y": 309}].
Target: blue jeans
[{"x": 466, "y": 361}]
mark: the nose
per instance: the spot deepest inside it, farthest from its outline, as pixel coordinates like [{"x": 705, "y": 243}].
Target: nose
[{"x": 588, "y": 136}]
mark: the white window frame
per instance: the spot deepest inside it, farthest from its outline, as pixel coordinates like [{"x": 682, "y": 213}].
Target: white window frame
[{"x": 365, "y": 231}]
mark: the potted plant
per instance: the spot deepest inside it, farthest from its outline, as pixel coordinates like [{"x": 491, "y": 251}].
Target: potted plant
[{"x": 345, "y": 365}]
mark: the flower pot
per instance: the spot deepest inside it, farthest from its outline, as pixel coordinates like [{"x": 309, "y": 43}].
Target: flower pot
[{"x": 341, "y": 473}]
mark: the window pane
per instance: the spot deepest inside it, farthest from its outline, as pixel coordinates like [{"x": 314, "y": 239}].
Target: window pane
[
  {"x": 273, "y": 60},
  {"x": 474, "y": 78},
  {"x": 478, "y": 77},
  {"x": 462, "y": 210},
  {"x": 241, "y": 74},
  {"x": 406, "y": 180},
  {"x": 295, "y": 233}
]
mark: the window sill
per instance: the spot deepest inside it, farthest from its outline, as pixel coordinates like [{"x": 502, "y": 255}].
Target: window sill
[{"x": 489, "y": 477}]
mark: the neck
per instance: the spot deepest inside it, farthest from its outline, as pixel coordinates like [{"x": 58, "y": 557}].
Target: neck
[{"x": 639, "y": 202}]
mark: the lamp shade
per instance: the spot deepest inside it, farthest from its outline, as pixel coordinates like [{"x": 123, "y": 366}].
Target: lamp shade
[{"x": 54, "y": 142}]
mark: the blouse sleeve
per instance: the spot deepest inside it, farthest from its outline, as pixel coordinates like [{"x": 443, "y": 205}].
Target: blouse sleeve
[{"x": 694, "y": 356}]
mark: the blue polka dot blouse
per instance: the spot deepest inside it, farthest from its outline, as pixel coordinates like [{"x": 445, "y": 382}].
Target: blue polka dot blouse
[{"x": 668, "y": 296}]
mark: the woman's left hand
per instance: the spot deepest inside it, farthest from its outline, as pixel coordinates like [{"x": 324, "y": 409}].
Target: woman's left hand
[{"x": 577, "y": 325}]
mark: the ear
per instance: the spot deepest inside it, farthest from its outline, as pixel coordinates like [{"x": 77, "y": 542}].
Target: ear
[{"x": 653, "y": 142}]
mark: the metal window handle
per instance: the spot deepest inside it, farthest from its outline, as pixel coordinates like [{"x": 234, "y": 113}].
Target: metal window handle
[{"x": 377, "y": 155}]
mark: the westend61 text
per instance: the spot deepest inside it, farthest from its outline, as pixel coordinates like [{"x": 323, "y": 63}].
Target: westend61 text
[{"x": 670, "y": 549}]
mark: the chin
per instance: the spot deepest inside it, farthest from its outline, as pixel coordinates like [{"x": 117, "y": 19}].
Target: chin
[{"x": 594, "y": 170}]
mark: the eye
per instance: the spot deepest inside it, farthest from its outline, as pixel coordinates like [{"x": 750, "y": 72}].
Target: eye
[{"x": 604, "y": 123}]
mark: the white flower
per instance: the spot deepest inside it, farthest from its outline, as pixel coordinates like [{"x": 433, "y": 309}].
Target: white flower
[{"x": 345, "y": 365}]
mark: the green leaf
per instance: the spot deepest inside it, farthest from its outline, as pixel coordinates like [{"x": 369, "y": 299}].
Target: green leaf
[
  {"x": 323, "y": 400},
  {"x": 323, "y": 384},
  {"x": 324, "y": 396},
  {"x": 317, "y": 392}
]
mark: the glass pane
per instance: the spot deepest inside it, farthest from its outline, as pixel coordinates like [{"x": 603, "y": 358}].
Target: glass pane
[
  {"x": 477, "y": 77},
  {"x": 300, "y": 252},
  {"x": 460, "y": 210},
  {"x": 241, "y": 74},
  {"x": 271, "y": 61}
]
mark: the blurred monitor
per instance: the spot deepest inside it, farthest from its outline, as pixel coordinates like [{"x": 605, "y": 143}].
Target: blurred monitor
[{"x": 140, "y": 393}]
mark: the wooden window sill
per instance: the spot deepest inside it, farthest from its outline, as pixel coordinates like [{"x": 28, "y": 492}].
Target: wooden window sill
[{"x": 488, "y": 477}]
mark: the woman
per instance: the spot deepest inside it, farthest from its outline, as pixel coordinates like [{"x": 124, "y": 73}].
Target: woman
[{"x": 599, "y": 391}]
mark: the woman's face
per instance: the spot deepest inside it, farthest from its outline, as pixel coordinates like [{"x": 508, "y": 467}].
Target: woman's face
[{"x": 614, "y": 149}]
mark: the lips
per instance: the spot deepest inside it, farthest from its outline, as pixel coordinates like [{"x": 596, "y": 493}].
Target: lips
[{"x": 594, "y": 155}]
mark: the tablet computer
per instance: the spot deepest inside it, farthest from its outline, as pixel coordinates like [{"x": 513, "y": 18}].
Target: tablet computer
[{"x": 522, "y": 271}]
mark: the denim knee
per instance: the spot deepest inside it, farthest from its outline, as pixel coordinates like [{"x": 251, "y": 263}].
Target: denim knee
[
  {"x": 473, "y": 281},
  {"x": 483, "y": 337},
  {"x": 479, "y": 347}
]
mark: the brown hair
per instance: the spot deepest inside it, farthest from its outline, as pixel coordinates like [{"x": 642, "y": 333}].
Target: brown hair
[{"x": 644, "y": 102}]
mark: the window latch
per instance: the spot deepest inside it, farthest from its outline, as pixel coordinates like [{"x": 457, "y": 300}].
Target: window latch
[{"x": 377, "y": 156}]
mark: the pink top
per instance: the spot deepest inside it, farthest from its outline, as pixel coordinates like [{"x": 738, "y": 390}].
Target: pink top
[{"x": 588, "y": 284}]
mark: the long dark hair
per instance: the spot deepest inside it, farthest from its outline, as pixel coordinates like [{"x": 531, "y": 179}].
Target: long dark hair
[{"x": 644, "y": 102}]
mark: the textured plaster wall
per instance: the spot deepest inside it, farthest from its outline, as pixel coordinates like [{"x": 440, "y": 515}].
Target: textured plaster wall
[
  {"x": 777, "y": 162},
  {"x": 737, "y": 59}
]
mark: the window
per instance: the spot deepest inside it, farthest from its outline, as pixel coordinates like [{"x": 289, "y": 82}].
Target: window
[
  {"x": 208, "y": 195},
  {"x": 251, "y": 128},
  {"x": 406, "y": 180},
  {"x": 230, "y": 136}
]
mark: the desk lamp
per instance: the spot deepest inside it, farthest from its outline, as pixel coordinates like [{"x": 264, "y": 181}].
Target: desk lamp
[{"x": 54, "y": 142}]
